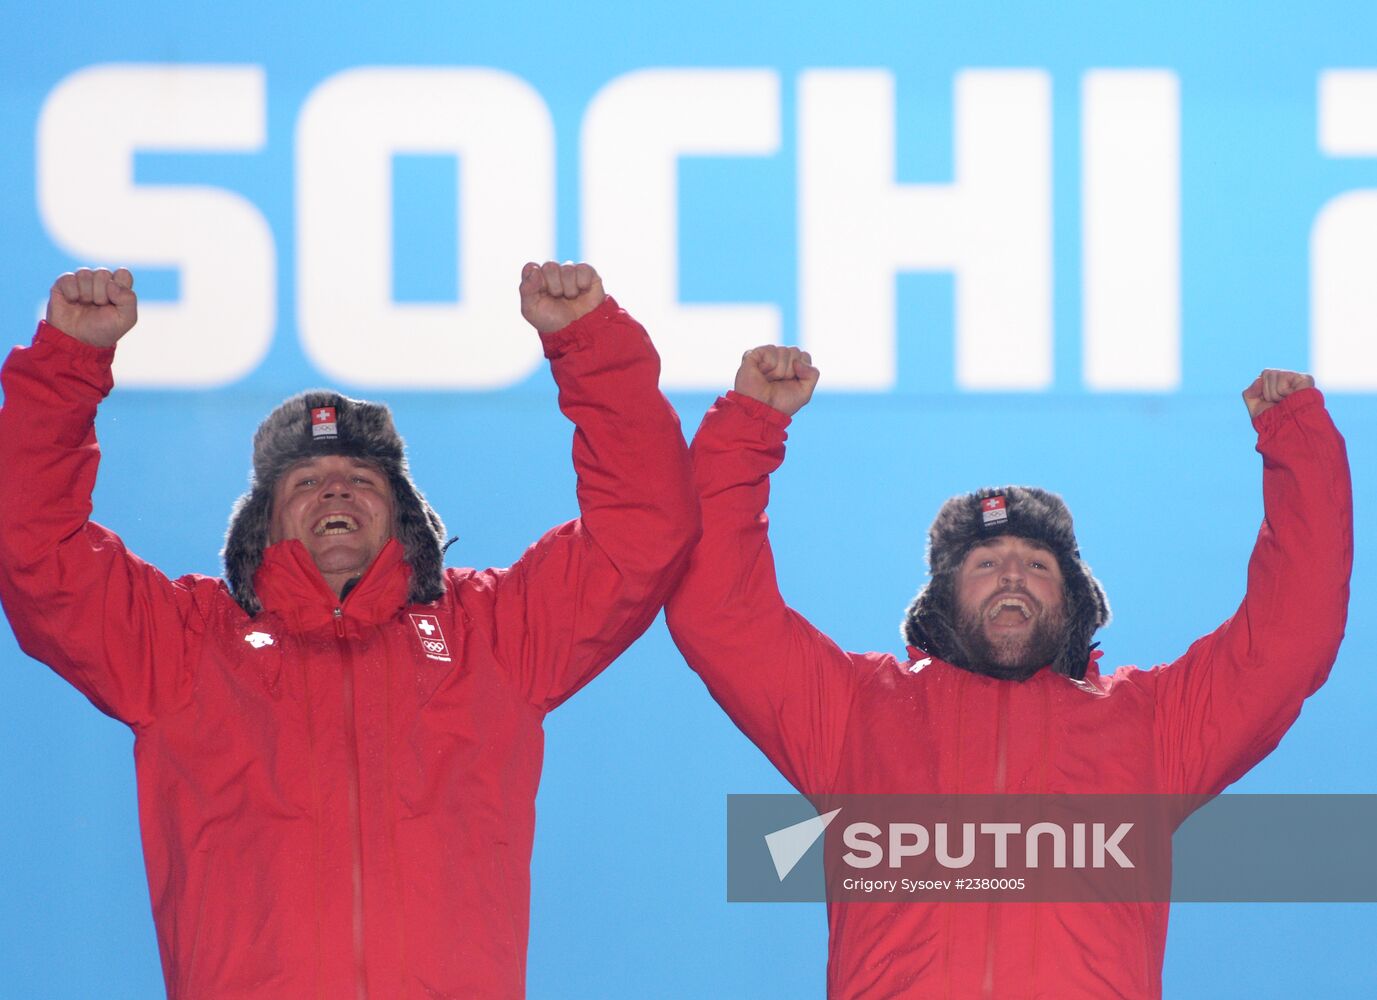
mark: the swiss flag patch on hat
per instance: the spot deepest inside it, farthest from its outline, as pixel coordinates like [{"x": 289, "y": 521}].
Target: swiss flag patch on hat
[
  {"x": 993, "y": 511},
  {"x": 323, "y": 422}
]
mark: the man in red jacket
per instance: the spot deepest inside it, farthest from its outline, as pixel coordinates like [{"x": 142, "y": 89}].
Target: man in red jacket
[
  {"x": 1001, "y": 692},
  {"x": 338, "y": 747}
]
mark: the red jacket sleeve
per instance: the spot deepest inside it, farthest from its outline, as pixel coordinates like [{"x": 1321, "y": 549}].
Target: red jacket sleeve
[
  {"x": 108, "y": 622},
  {"x": 1226, "y": 703},
  {"x": 785, "y": 684},
  {"x": 587, "y": 589}
]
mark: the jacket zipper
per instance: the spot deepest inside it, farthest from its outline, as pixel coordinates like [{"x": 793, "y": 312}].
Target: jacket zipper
[
  {"x": 1001, "y": 780},
  {"x": 355, "y": 825}
]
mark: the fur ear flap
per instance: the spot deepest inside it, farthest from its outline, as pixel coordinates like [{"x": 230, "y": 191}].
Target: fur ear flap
[
  {"x": 248, "y": 534},
  {"x": 420, "y": 532}
]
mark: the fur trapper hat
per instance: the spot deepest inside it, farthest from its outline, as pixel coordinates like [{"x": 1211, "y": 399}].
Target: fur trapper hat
[
  {"x": 1025, "y": 511},
  {"x": 322, "y": 422}
]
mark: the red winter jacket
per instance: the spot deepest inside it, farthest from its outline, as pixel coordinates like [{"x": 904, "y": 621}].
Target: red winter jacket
[
  {"x": 837, "y": 722},
  {"x": 332, "y": 805}
]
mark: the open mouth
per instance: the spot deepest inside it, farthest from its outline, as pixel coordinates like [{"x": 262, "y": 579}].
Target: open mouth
[
  {"x": 335, "y": 524},
  {"x": 1009, "y": 611}
]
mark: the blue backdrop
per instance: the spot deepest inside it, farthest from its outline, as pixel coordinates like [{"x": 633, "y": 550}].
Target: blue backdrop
[{"x": 1062, "y": 241}]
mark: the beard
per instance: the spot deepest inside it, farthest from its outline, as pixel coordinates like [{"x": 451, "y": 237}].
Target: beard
[{"x": 1011, "y": 657}]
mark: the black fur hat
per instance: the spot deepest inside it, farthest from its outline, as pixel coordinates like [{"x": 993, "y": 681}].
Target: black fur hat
[
  {"x": 1025, "y": 511},
  {"x": 322, "y": 422}
]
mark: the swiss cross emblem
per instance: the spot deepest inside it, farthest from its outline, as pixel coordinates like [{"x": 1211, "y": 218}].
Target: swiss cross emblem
[
  {"x": 323, "y": 423},
  {"x": 993, "y": 511},
  {"x": 432, "y": 638}
]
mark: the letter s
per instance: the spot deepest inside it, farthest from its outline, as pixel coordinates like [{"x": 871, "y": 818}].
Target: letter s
[
  {"x": 90, "y": 127},
  {"x": 854, "y": 837}
]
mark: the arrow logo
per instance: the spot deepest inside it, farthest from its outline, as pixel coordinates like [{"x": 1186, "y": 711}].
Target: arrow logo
[{"x": 789, "y": 845}]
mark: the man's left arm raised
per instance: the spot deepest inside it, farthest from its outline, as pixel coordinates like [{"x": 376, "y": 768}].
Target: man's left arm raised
[
  {"x": 588, "y": 588},
  {"x": 1226, "y": 703}
]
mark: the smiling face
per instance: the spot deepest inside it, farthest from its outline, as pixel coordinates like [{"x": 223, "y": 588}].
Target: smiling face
[
  {"x": 1010, "y": 601},
  {"x": 340, "y": 508}
]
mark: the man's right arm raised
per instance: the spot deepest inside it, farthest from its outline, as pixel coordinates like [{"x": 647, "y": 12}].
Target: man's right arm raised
[
  {"x": 785, "y": 684},
  {"x": 76, "y": 599}
]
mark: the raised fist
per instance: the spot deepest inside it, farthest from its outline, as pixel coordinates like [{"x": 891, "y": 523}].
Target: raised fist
[
  {"x": 782, "y": 377},
  {"x": 95, "y": 307},
  {"x": 1272, "y": 386},
  {"x": 554, "y": 295}
]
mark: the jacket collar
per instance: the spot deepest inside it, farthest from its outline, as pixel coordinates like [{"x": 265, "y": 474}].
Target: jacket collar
[
  {"x": 918, "y": 659},
  {"x": 289, "y": 584}
]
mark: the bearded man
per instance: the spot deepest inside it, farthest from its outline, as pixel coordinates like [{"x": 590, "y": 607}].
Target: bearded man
[
  {"x": 338, "y": 746},
  {"x": 1001, "y": 691}
]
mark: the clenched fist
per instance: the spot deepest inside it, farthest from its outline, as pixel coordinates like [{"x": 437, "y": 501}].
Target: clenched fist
[
  {"x": 554, "y": 295},
  {"x": 1272, "y": 386},
  {"x": 95, "y": 307},
  {"x": 782, "y": 377}
]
